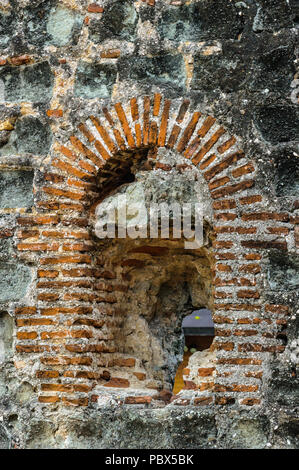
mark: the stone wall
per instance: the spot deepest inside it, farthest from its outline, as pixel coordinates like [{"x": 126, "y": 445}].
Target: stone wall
[{"x": 97, "y": 96}]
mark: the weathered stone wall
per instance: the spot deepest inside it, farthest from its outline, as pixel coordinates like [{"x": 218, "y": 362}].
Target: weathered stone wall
[{"x": 185, "y": 76}]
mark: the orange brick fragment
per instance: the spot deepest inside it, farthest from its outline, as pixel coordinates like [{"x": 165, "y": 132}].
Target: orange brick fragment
[
  {"x": 21, "y": 60},
  {"x": 48, "y": 399},
  {"x": 188, "y": 132},
  {"x": 124, "y": 123},
  {"x": 164, "y": 123},
  {"x": 95, "y": 8},
  {"x": 208, "y": 145},
  {"x": 146, "y": 112},
  {"x": 118, "y": 383},
  {"x": 138, "y": 400},
  {"x": 243, "y": 170},
  {"x": 226, "y": 145},
  {"x": 110, "y": 54},
  {"x": 54, "y": 112}
]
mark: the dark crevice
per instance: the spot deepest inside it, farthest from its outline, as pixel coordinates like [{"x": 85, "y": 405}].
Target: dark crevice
[{"x": 120, "y": 169}]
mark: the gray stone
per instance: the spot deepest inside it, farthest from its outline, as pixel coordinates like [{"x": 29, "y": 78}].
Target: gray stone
[
  {"x": 7, "y": 25},
  {"x": 6, "y": 249},
  {"x": 277, "y": 123},
  {"x": 273, "y": 70},
  {"x": 245, "y": 432},
  {"x": 61, "y": 24},
  {"x": 16, "y": 189},
  {"x": 14, "y": 281},
  {"x": 6, "y": 336},
  {"x": 30, "y": 135},
  {"x": 95, "y": 80},
  {"x": 216, "y": 71},
  {"x": 287, "y": 170},
  {"x": 27, "y": 83},
  {"x": 4, "y": 439},
  {"x": 200, "y": 20},
  {"x": 283, "y": 271},
  {"x": 164, "y": 70},
  {"x": 119, "y": 20}
]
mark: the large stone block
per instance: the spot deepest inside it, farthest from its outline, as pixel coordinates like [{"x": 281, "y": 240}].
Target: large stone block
[
  {"x": 200, "y": 20},
  {"x": 4, "y": 439},
  {"x": 27, "y": 83},
  {"x": 283, "y": 271},
  {"x": 7, "y": 25},
  {"x": 274, "y": 14},
  {"x": 95, "y": 80},
  {"x": 14, "y": 281},
  {"x": 277, "y": 123},
  {"x": 30, "y": 135},
  {"x": 16, "y": 189},
  {"x": 47, "y": 23},
  {"x": 164, "y": 70},
  {"x": 244, "y": 432},
  {"x": 119, "y": 21},
  {"x": 227, "y": 73},
  {"x": 6, "y": 249},
  {"x": 287, "y": 169},
  {"x": 62, "y": 25},
  {"x": 273, "y": 70}
]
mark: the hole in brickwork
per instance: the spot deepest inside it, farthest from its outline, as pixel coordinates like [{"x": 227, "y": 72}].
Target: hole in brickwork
[{"x": 120, "y": 169}]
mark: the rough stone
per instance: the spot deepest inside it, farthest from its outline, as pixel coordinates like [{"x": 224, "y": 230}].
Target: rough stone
[
  {"x": 8, "y": 23},
  {"x": 6, "y": 336},
  {"x": 277, "y": 123},
  {"x": 61, "y": 25},
  {"x": 119, "y": 21},
  {"x": 14, "y": 281},
  {"x": 27, "y": 83},
  {"x": 287, "y": 180},
  {"x": 95, "y": 80},
  {"x": 283, "y": 271},
  {"x": 234, "y": 61},
  {"x": 198, "y": 21},
  {"x": 162, "y": 70},
  {"x": 16, "y": 189},
  {"x": 31, "y": 135}
]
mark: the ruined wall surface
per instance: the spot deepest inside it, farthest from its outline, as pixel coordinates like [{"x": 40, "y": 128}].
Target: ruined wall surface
[{"x": 155, "y": 93}]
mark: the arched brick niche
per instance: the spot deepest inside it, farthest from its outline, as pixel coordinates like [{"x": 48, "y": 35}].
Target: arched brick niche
[{"x": 71, "y": 332}]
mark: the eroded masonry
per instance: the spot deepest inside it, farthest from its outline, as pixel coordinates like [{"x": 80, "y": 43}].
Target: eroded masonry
[{"x": 170, "y": 102}]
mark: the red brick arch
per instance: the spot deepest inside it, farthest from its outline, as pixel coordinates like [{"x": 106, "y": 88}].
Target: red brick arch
[{"x": 63, "y": 329}]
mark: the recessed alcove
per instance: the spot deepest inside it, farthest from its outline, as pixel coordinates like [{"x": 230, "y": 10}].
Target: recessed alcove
[{"x": 155, "y": 282}]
